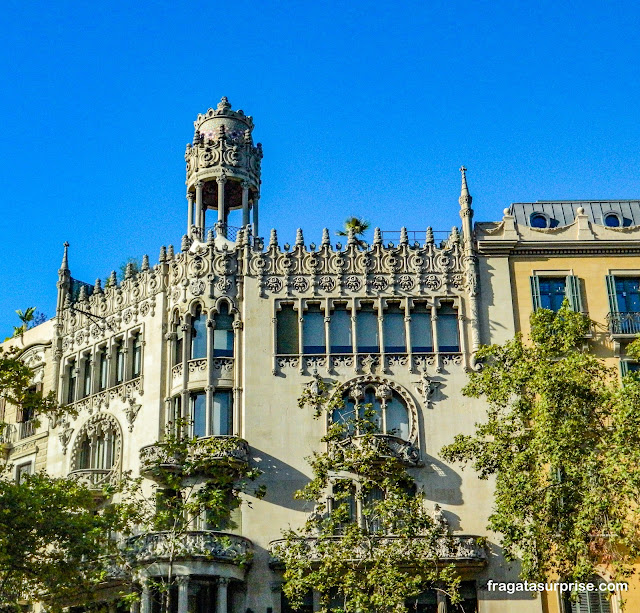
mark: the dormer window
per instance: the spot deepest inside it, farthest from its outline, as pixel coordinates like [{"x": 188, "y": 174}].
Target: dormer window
[
  {"x": 612, "y": 220},
  {"x": 539, "y": 220}
]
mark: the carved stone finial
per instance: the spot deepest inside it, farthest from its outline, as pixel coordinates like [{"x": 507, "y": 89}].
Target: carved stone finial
[
  {"x": 351, "y": 237},
  {"x": 429, "y": 236},
  {"x": 145, "y": 262},
  {"x": 82, "y": 294},
  {"x": 163, "y": 254},
  {"x": 128, "y": 271},
  {"x": 186, "y": 243},
  {"x": 170, "y": 253},
  {"x": 404, "y": 237},
  {"x": 377, "y": 237},
  {"x": 506, "y": 212},
  {"x": 211, "y": 238},
  {"x": 67, "y": 301},
  {"x": 455, "y": 235},
  {"x": 273, "y": 238},
  {"x": 224, "y": 105},
  {"x": 299, "y": 238},
  {"x": 97, "y": 288},
  {"x": 326, "y": 241},
  {"x": 113, "y": 279},
  {"x": 465, "y": 197},
  {"x": 65, "y": 257}
]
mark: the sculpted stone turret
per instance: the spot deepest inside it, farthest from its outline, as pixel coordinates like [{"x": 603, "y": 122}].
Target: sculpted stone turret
[{"x": 223, "y": 170}]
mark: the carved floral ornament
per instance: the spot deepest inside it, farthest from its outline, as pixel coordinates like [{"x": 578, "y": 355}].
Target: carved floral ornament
[{"x": 383, "y": 389}]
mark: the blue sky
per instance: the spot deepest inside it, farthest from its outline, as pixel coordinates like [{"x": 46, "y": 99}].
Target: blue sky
[{"x": 363, "y": 109}]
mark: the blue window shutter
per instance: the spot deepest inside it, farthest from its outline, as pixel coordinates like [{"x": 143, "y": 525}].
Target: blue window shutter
[
  {"x": 535, "y": 292},
  {"x": 611, "y": 292},
  {"x": 573, "y": 293}
]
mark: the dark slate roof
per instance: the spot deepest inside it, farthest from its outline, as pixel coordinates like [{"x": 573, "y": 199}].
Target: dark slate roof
[{"x": 563, "y": 212}]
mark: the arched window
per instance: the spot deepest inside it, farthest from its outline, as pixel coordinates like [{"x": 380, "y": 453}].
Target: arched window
[
  {"x": 97, "y": 448},
  {"x": 198, "y": 335},
  {"x": 539, "y": 220},
  {"x": 179, "y": 342},
  {"x": 223, "y": 332},
  {"x": 612, "y": 220}
]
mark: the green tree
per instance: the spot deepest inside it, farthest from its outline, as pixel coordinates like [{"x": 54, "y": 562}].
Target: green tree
[
  {"x": 358, "y": 225},
  {"x": 562, "y": 439},
  {"x": 387, "y": 555}
]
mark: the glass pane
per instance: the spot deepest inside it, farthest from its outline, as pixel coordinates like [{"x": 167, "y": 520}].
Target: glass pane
[
  {"x": 448, "y": 329},
  {"x": 345, "y": 414},
  {"x": 313, "y": 331},
  {"x": 177, "y": 356},
  {"x": 119, "y": 364},
  {"x": 222, "y": 343},
  {"x": 199, "y": 337},
  {"x": 340, "y": 331},
  {"x": 372, "y": 404},
  {"x": 137, "y": 356},
  {"x": 421, "y": 336},
  {"x": 287, "y": 330},
  {"x": 198, "y": 413},
  {"x": 397, "y": 418},
  {"x": 367, "y": 331},
  {"x": 222, "y": 418},
  {"x": 552, "y": 292},
  {"x": 103, "y": 370},
  {"x": 393, "y": 330},
  {"x": 87, "y": 377}
]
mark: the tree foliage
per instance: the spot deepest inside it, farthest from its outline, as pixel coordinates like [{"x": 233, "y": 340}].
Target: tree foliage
[
  {"x": 562, "y": 439},
  {"x": 384, "y": 556}
]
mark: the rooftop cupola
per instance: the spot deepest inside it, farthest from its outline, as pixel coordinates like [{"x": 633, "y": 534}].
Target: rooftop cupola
[{"x": 223, "y": 171}]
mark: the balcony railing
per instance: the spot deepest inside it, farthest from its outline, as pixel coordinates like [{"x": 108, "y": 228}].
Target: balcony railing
[
  {"x": 624, "y": 323},
  {"x": 26, "y": 428},
  {"x": 451, "y": 549},
  {"x": 387, "y": 446},
  {"x": 202, "y": 544},
  {"x": 93, "y": 478},
  {"x": 208, "y": 453},
  {"x": 7, "y": 434}
]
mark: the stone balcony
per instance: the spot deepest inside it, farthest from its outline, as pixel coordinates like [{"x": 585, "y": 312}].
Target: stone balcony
[
  {"x": 95, "y": 479},
  {"x": 210, "y": 453},
  {"x": 203, "y": 545},
  {"x": 462, "y": 551},
  {"x": 387, "y": 446}
]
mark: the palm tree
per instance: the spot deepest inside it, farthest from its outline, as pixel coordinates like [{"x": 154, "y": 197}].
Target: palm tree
[
  {"x": 359, "y": 226},
  {"x": 26, "y": 318}
]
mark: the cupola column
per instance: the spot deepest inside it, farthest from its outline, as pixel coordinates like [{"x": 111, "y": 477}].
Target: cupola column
[
  {"x": 221, "y": 217},
  {"x": 199, "y": 209},
  {"x": 245, "y": 204},
  {"x": 189, "y": 212},
  {"x": 255, "y": 215}
]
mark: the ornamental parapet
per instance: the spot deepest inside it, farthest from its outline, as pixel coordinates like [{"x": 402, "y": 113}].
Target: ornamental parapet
[
  {"x": 195, "y": 545},
  {"x": 463, "y": 550},
  {"x": 206, "y": 454},
  {"x": 94, "y": 479},
  {"x": 385, "y": 445}
]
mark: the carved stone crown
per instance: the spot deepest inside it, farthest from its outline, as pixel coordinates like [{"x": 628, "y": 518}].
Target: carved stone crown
[{"x": 223, "y": 110}]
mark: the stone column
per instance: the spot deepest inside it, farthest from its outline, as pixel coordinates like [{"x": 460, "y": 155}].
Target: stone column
[
  {"x": 199, "y": 211},
  {"x": 210, "y": 389},
  {"x": 183, "y": 594},
  {"x": 145, "y": 599},
  {"x": 189, "y": 212},
  {"x": 442, "y": 601},
  {"x": 245, "y": 204},
  {"x": 255, "y": 215},
  {"x": 221, "y": 216},
  {"x": 221, "y": 604}
]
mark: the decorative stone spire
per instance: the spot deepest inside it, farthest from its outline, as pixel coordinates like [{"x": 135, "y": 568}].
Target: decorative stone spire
[
  {"x": 299, "y": 238},
  {"x": 211, "y": 238},
  {"x": 65, "y": 257},
  {"x": 465, "y": 197},
  {"x": 377, "y": 236},
  {"x": 163, "y": 254},
  {"x": 326, "y": 240},
  {"x": 145, "y": 262},
  {"x": 455, "y": 235},
  {"x": 82, "y": 294},
  {"x": 97, "y": 288},
  {"x": 273, "y": 239},
  {"x": 113, "y": 279},
  {"x": 128, "y": 271},
  {"x": 404, "y": 237},
  {"x": 184, "y": 245},
  {"x": 170, "y": 253},
  {"x": 351, "y": 236},
  {"x": 429, "y": 236}
]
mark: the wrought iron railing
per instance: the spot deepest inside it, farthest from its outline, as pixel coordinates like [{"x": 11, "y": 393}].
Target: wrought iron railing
[
  {"x": 386, "y": 445},
  {"x": 93, "y": 478},
  {"x": 624, "y": 323},
  {"x": 26, "y": 428}
]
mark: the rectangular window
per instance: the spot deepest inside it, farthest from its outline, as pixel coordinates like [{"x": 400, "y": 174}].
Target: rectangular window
[
  {"x": 420, "y": 326},
  {"x": 447, "y": 323},
  {"x": 199, "y": 413},
  {"x": 550, "y": 292},
  {"x": 393, "y": 330},
  {"x": 340, "y": 330},
  {"x": 86, "y": 384},
  {"x": 22, "y": 470},
  {"x": 177, "y": 347},
  {"x": 175, "y": 412},
  {"x": 628, "y": 294},
  {"x": 137, "y": 356},
  {"x": 223, "y": 336},
  {"x": 222, "y": 417},
  {"x": 287, "y": 330},
  {"x": 104, "y": 369},
  {"x": 313, "y": 330},
  {"x": 199, "y": 336},
  {"x": 367, "y": 330},
  {"x": 71, "y": 388},
  {"x": 119, "y": 362},
  {"x": 624, "y": 304}
]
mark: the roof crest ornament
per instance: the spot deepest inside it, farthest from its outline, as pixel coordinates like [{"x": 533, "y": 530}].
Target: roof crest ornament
[{"x": 465, "y": 197}]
